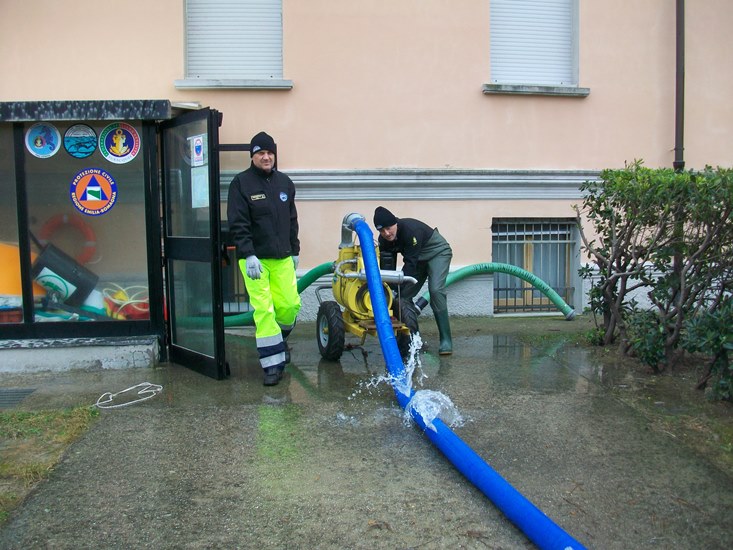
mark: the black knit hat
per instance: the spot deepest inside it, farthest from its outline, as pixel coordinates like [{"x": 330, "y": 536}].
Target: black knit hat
[
  {"x": 262, "y": 141},
  {"x": 383, "y": 218}
]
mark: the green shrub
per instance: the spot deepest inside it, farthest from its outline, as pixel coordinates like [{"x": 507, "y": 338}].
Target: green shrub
[
  {"x": 711, "y": 333},
  {"x": 645, "y": 336}
]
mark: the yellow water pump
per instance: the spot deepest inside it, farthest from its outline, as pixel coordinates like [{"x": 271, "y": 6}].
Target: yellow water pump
[
  {"x": 349, "y": 289},
  {"x": 351, "y": 292}
]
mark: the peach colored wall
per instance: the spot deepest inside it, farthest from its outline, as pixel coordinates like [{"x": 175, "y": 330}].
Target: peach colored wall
[
  {"x": 709, "y": 83},
  {"x": 85, "y": 49},
  {"x": 465, "y": 224},
  {"x": 385, "y": 83}
]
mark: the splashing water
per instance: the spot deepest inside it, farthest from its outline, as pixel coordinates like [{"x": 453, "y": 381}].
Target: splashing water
[
  {"x": 346, "y": 420},
  {"x": 430, "y": 405},
  {"x": 403, "y": 382}
]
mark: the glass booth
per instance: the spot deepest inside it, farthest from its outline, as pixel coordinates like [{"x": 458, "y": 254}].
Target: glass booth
[{"x": 84, "y": 216}]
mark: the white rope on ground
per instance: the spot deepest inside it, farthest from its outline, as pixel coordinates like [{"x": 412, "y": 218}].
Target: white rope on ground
[{"x": 148, "y": 390}]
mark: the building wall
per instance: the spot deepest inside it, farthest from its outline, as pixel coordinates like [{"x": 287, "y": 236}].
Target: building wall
[
  {"x": 385, "y": 84},
  {"x": 461, "y": 222},
  {"x": 395, "y": 87}
]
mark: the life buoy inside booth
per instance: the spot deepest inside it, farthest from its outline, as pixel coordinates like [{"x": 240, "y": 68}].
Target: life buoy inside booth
[{"x": 80, "y": 239}]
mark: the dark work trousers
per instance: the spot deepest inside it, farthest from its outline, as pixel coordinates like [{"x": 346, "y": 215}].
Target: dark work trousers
[{"x": 433, "y": 264}]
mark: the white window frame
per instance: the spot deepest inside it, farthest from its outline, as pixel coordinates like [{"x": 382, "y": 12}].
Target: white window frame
[
  {"x": 534, "y": 47},
  {"x": 233, "y": 44}
]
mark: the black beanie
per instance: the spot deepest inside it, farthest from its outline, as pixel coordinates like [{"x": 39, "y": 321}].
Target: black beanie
[
  {"x": 262, "y": 141},
  {"x": 383, "y": 218}
]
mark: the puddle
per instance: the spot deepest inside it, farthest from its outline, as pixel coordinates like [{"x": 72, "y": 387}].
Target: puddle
[{"x": 324, "y": 459}]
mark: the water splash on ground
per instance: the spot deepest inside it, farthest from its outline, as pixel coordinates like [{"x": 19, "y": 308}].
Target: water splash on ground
[
  {"x": 429, "y": 404},
  {"x": 346, "y": 420},
  {"x": 413, "y": 364},
  {"x": 403, "y": 382}
]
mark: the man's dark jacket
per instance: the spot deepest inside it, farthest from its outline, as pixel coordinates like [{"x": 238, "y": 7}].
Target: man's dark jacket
[
  {"x": 411, "y": 237},
  {"x": 262, "y": 217}
]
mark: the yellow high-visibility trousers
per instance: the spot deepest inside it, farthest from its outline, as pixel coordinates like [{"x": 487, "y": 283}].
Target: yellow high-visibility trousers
[{"x": 276, "y": 303}]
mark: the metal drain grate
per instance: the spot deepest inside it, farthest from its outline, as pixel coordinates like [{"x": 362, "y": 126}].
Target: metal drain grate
[{"x": 9, "y": 397}]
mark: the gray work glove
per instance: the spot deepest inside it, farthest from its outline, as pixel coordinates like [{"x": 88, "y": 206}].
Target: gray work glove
[
  {"x": 254, "y": 267},
  {"x": 296, "y": 261}
]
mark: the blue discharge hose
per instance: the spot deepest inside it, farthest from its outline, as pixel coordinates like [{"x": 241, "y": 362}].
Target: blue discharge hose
[{"x": 540, "y": 529}]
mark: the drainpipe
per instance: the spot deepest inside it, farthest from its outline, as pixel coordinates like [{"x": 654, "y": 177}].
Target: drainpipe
[{"x": 679, "y": 129}]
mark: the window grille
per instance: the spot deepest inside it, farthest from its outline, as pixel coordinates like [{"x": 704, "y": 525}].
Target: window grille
[
  {"x": 234, "y": 293},
  {"x": 543, "y": 247}
]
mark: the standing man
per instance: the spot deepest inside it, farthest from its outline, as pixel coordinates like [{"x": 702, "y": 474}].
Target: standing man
[
  {"x": 263, "y": 223},
  {"x": 425, "y": 255}
]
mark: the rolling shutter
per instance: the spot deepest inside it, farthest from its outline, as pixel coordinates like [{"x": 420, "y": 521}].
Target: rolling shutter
[
  {"x": 533, "y": 42},
  {"x": 234, "y": 39}
]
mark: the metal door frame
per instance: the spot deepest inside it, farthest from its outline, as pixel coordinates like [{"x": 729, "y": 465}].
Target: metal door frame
[{"x": 196, "y": 249}]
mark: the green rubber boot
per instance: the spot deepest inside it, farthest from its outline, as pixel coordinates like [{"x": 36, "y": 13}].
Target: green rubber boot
[{"x": 446, "y": 343}]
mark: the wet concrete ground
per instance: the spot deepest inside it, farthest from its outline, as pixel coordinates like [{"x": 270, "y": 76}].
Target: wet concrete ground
[{"x": 324, "y": 461}]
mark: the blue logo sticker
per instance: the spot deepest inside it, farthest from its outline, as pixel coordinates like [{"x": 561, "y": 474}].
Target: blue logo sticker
[
  {"x": 80, "y": 141},
  {"x": 119, "y": 143},
  {"x": 283, "y": 197},
  {"x": 42, "y": 140}
]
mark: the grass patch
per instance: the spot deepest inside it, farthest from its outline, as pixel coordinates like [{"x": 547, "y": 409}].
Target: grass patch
[{"x": 31, "y": 444}]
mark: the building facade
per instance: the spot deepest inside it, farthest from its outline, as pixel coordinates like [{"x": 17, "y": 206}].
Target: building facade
[{"x": 480, "y": 117}]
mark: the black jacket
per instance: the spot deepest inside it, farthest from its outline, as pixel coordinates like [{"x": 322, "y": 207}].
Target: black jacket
[
  {"x": 411, "y": 236},
  {"x": 262, "y": 217}
]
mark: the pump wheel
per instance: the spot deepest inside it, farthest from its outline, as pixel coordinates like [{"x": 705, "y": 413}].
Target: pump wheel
[
  {"x": 330, "y": 330},
  {"x": 408, "y": 315}
]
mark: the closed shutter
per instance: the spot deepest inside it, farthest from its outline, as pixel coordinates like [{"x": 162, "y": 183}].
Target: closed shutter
[
  {"x": 234, "y": 39},
  {"x": 533, "y": 42}
]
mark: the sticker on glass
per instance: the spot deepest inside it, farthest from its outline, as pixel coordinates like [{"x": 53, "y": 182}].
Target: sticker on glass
[
  {"x": 119, "y": 143},
  {"x": 80, "y": 141},
  {"x": 197, "y": 150},
  {"x": 93, "y": 191},
  {"x": 42, "y": 140}
]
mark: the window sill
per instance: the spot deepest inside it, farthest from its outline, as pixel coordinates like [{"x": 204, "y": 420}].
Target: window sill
[
  {"x": 522, "y": 89},
  {"x": 236, "y": 83}
]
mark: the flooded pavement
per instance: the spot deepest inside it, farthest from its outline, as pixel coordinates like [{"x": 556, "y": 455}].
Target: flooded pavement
[{"x": 326, "y": 460}]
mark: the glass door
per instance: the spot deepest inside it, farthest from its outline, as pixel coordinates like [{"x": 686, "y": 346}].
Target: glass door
[{"x": 191, "y": 242}]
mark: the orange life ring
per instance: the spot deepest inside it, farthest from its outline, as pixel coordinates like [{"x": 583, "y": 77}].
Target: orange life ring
[{"x": 61, "y": 220}]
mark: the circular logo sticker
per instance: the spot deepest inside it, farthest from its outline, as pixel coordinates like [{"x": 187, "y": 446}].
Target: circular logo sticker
[
  {"x": 119, "y": 143},
  {"x": 42, "y": 140},
  {"x": 93, "y": 191},
  {"x": 80, "y": 141}
]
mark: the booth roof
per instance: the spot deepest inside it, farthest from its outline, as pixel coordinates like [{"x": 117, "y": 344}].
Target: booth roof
[{"x": 125, "y": 109}]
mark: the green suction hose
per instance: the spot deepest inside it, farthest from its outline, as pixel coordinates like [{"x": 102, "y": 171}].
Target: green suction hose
[
  {"x": 247, "y": 318},
  {"x": 492, "y": 267}
]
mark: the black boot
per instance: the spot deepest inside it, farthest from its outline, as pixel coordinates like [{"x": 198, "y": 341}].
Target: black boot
[
  {"x": 446, "y": 343},
  {"x": 273, "y": 375}
]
